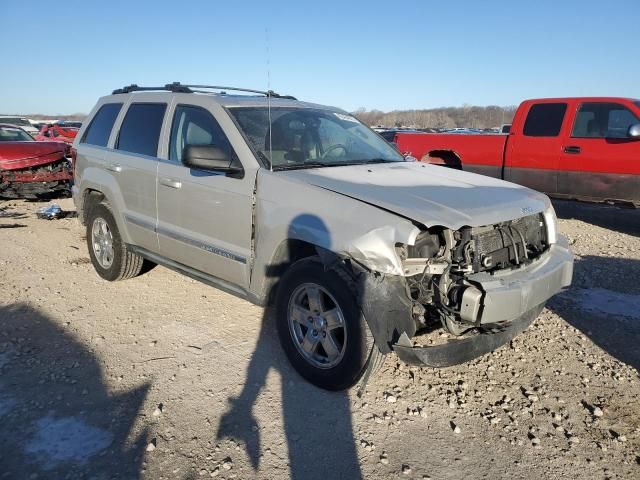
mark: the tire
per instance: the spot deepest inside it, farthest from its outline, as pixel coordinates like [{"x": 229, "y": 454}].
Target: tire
[
  {"x": 304, "y": 342},
  {"x": 121, "y": 263}
]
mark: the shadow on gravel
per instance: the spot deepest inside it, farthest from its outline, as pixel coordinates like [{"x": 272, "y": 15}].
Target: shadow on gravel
[
  {"x": 604, "y": 303},
  {"x": 619, "y": 218},
  {"x": 317, "y": 423},
  {"x": 58, "y": 418}
]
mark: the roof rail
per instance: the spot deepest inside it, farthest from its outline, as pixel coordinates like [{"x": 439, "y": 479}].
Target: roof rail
[{"x": 177, "y": 87}]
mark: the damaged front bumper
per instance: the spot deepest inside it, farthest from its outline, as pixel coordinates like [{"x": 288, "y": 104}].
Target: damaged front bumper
[
  {"x": 510, "y": 302},
  {"x": 464, "y": 349}
]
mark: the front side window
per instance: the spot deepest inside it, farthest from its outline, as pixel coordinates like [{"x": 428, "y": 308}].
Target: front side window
[
  {"x": 100, "y": 127},
  {"x": 603, "y": 120},
  {"x": 305, "y": 138},
  {"x": 140, "y": 130},
  {"x": 195, "y": 126},
  {"x": 545, "y": 120}
]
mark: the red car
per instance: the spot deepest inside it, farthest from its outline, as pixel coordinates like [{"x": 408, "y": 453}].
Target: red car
[
  {"x": 57, "y": 133},
  {"x": 30, "y": 169},
  {"x": 584, "y": 148}
]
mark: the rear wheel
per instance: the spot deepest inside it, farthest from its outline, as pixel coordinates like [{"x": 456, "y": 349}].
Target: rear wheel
[
  {"x": 109, "y": 255},
  {"x": 321, "y": 328}
]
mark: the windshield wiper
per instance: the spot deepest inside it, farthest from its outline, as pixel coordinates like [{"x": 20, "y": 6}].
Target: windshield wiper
[{"x": 299, "y": 166}]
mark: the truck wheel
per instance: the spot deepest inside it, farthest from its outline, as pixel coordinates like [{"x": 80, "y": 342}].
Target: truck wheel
[
  {"x": 323, "y": 333},
  {"x": 109, "y": 255}
]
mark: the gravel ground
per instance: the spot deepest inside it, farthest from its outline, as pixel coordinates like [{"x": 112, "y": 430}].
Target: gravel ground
[{"x": 163, "y": 377}]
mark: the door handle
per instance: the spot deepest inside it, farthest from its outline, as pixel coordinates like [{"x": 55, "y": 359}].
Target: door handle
[
  {"x": 115, "y": 167},
  {"x": 170, "y": 182},
  {"x": 572, "y": 149}
]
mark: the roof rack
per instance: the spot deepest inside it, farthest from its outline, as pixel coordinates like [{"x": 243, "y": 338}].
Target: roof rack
[{"x": 177, "y": 87}]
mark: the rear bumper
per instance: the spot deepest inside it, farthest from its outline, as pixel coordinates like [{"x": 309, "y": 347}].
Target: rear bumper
[{"x": 510, "y": 303}]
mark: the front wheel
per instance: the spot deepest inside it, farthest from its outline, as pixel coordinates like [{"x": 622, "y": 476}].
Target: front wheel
[{"x": 321, "y": 328}]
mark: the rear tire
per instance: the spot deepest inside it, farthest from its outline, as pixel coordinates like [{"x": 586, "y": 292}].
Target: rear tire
[
  {"x": 110, "y": 256},
  {"x": 321, "y": 328}
]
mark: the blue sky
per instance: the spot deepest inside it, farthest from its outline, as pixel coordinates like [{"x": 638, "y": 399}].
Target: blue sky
[{"x": 384, "y": 55}]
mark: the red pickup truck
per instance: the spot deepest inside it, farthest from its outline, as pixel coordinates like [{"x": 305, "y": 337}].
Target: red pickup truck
[{"x": 583, "y": 148}]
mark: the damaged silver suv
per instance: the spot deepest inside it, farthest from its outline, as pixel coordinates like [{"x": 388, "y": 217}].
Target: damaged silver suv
[{"x": 300, "y": 205}]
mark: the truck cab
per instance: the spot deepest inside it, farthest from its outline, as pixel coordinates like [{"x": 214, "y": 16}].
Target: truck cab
[
  {"x": 576, "y": 148},
  {"x": 584, "y": 148}
]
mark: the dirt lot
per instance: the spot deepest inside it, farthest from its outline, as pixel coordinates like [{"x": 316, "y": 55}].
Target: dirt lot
[{"x": 163, "y": 377}]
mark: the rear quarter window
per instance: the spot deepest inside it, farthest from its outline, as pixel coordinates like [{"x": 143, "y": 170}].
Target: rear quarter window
[
  {"x": 545, "y": 120},
  {"x": 100, "y": 127},
  {"x": 140, "y": 130}
]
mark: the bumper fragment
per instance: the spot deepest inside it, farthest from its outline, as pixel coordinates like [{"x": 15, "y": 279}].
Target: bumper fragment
[
  {"x": 465, "y": 349},
  {"x": 508, "y": 295}
]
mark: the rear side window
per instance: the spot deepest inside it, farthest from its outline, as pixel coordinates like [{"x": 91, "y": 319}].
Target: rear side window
[
  {"x": 545, "y": 120},
  {"x": 140, "y": 130},
  {"x": 603, "y": 120},
  {"x": 100, "y": 127}
]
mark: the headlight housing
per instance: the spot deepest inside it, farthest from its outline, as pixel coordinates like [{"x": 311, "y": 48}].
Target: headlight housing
[{"x": 551, "y": 221}]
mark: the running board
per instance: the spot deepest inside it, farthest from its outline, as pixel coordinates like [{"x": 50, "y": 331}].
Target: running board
[{"x": 195, "y": 274}]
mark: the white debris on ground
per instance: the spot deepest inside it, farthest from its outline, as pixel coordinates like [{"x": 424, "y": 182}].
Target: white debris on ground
[
  {"x": 606, "y": 301},
  {"x": 113, "y": 380}
]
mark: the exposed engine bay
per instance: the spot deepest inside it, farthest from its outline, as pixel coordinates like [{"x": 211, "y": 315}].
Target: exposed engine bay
[
  {"x": 438, "y": 266},
  {"x": 42, "y": 181}
]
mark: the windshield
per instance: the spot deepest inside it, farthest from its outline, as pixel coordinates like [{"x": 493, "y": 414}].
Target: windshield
[
  {"x": 21, "y": 122},
  {"x": 308, "y": 138},
  {"x": 9, "y": 134}
]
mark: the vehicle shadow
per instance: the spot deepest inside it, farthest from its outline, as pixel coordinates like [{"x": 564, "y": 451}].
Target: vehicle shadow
[
  {"x": 59, "y": 419},
  {"x": 618, "y": 218},
  {"x": 317, "y": 423},
  {"x": 603, "y": 306}
]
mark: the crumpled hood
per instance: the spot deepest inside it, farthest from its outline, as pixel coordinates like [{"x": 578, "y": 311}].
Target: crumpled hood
[
  {"x": 428, "y": 194},
  {"x": 14, "y": 155}
]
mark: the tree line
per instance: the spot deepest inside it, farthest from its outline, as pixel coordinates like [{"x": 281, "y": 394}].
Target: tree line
[{"x": 468, "y": 116}]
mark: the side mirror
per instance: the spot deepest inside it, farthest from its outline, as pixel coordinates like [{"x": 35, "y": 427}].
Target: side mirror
[
  {"x": 208, "y": 157},
  {"x": 634, "y": 131}
]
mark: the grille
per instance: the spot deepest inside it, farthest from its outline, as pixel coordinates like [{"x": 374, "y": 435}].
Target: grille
[{"x": 494, "y": 246}]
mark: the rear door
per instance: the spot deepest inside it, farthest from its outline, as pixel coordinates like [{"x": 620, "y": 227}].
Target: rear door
[
  {"x": 204, "y": 217},
  {"x": 598, "y": 160},
  {"x": 134, "y": 163},
  {"x": 533, "y": 148}
]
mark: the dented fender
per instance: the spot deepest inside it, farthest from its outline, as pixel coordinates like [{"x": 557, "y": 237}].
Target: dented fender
[{"x": 290, "y": 210}]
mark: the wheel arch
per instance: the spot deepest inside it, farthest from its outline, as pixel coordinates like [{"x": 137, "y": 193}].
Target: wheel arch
[
  {"x": 286, "y": 254},
  {"x": 446, "y": 158}
]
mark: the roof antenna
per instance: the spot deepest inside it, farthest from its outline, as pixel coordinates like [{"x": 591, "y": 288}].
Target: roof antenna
[{"x": 269, "y": 93}]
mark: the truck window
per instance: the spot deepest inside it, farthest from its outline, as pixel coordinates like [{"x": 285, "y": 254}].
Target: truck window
[
  {"x": 545, "y": 120},
  {"x": 100, "y": 127},
  {"x": 195, "y": 126},
  {"x": 603, "y": 120},
  {"x": 140, "y": 130}
]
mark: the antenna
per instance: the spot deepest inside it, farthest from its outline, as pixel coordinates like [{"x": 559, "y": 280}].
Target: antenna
[{"x": 266, "y": 33}]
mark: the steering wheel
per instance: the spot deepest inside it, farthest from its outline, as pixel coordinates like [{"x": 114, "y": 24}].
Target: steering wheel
[{"x": 332, "y": 148}]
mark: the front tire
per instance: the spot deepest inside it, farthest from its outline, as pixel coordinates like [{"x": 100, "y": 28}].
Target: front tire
[
  {"x": 110, "y": 256},
  {"x": 321, "y": 328}
]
